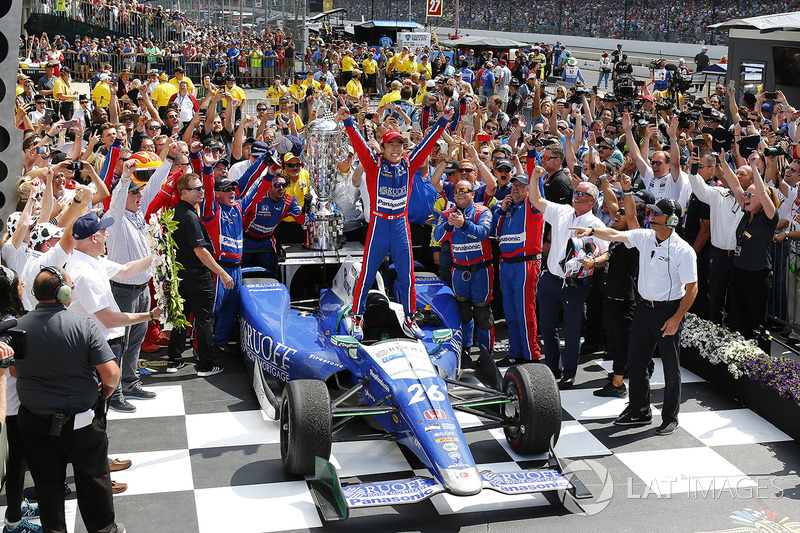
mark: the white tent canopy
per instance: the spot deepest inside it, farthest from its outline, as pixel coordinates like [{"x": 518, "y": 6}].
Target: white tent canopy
[{"x": 778, "y": 21}]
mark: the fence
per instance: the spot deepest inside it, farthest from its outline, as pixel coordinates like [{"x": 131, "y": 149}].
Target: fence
[{"x": 784, "y": 301}]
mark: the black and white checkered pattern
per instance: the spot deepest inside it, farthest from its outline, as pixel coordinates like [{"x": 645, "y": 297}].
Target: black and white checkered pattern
[{"x": 205, "y": 459}]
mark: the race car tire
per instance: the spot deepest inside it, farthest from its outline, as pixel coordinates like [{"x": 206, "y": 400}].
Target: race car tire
[
  {"x": 305, "y": 419},
  {"x": 535, "y": 408}
]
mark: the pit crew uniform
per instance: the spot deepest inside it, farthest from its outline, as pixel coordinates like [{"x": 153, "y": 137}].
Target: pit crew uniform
[
  {"x": 259, "y": 226},
  {"x": 225, "y": 227},
  {"x": 519, "y": 231},
  {"x": 472, "y": 272},
  {"x": 389, "y": 187}
]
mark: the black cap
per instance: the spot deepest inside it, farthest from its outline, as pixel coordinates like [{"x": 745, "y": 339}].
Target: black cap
[
  {"x": 223, "y": 182},
  {"x": 666, "y": 206},
  {"x": 514, "y": 82}
]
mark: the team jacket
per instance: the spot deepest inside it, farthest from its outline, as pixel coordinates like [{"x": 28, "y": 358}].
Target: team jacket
[
  {"x": 225, "y": 223},
  {"x": 469, "y": 243},
  {"x": 389, "y": 184},
  {"x": 519, "y": 230}
]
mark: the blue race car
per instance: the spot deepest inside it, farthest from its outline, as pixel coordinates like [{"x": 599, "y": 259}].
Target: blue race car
[{"x": 316, "y": 379}]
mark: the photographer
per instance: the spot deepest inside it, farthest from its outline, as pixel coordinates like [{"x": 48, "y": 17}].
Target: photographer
[{"x": 66, "y": 423}]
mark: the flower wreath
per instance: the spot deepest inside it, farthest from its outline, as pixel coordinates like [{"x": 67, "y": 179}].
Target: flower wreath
[{"x": 165, "y": 269}]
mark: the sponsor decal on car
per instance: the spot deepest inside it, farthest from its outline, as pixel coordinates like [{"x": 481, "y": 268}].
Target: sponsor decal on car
[
  {"x": 396, "y": 420},
  {"x": 435, "y": 414},
  {"x": 447, "y": 439},
  {"x": 448, "y": 426},
  {"x": 271, "y": 356},
  {"x": 377, "y": 379},
  {"x": 325, "y": 360},
  {"x": 455, "y": 456},
  {"x": 404, "y": 491},
  {"x": 450, "y": 447},
  {"x": 444, "y": 434},
  {"x": 432, "y": 427},
  {"x": 524, "y": 481}
]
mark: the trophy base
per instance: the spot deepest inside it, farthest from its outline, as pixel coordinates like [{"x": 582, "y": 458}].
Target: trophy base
[{"x": 325, "y": 233}]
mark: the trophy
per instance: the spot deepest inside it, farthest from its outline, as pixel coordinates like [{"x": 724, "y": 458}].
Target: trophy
[{"x": 326, "y": 147}]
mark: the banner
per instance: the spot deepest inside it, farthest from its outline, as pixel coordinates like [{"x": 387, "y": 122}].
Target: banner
[{"x": 434, "y": 8}]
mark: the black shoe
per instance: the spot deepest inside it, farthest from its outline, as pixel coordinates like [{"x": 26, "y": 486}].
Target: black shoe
[
  {"x": 558, "y": 374},
  {"x": 566, "y": 383},
  {"x": 173, "y": 367},
  {"x": 121, "y": 405},
  {"x": 667, "y": 428},
  {"x": 610, "y": 391},
  {"x": 209, "y": 371},
  {"x": 509, "y": 361},
  {"x": 629, "y": 418},
  {"x": 138, "y": 393}
]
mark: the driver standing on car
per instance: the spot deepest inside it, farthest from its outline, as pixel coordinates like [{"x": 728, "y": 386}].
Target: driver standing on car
[
  {"x": 467, "y": 225},
  {"x": 388, "y": 178}
]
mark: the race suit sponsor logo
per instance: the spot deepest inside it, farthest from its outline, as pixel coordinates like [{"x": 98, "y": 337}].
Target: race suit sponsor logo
[
  {"x": 224, "y": 240},
  {"x": 405, "y": 491},
  {"x": 467, "y": 247},
  {"x": 393, "y": 192},
  {"x": 513, "y": 238},
  {"x": 392, "y": 205}
]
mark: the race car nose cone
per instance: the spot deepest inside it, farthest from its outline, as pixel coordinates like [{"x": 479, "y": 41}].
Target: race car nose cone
[{"x": 462, "y": 481}]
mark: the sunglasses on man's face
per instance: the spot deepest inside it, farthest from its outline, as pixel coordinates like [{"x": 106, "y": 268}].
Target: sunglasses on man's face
[
  {"x": 227, "y": 189},
  {"x": 581, "y": 194},
  {"x": 153, "y": 127},
  {"x": 656, "y": 163},
  {"x": 466, "y": 170},
  {"x": 748, "y": 194},
  {"x": 199, "y": 188},
  {"x": 491, "y": 128},
  {"x": 293, "y": 165},
  {"x": 603, "y": 147},
  {"x": 279, "y": 185},
  {"x": 463, "y": 190}
]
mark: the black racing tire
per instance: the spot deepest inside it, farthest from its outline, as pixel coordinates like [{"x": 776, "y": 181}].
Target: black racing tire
[
  {"x": 305, "y": 419},
  {"x": 535, "y": 408}
]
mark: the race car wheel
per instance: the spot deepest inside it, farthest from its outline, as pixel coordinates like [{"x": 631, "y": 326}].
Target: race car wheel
[
  {"x": 534, "y": 409},
  {"x": 305, "y": 425}
]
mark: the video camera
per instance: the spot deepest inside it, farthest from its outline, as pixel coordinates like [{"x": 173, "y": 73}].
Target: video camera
[
  {"x": 16, "y": 338},
  {"x": 577, "y": 98},
  {"x": 626, "y": 87}
]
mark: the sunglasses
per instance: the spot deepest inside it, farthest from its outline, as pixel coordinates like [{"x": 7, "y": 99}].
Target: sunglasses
[
  {"x": 260, "y": 109},
  {"x": 705, "y": 166},
  {"x": 656, "y": 163},
  {"x": 216, "y": 150},
  {"x": 466, "y": 170},
  {"x": 279, "y": 185},
  {"x": 747, "y": 194},
  {"x": 603, "y": 147},
  {"x": 153, "y": 127},
  {"x": 463, "y": 190},
  {"x": 504, "y": 170},
  {"x": 549, "y": 157},
  {"x": 199, "y": 188},
  {"x": 562, "y": 128},
  {"x": 581, "y": 194},
  {"x": 227, "y": 189},
  {"x": 791, "y": 170},
  {"x": 490, "y": 128},
  {"x": 294, "y": 165}
]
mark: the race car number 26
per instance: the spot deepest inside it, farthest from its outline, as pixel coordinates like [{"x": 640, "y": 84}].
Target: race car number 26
[{"x": 418, "y": 393}]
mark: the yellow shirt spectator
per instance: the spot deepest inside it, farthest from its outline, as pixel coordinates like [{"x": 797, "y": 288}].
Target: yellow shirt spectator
[
  {"x": 348, "y": 63},
  {"x": 310, "y": 82},
  {"x": 425, "y": 68},
  {"x": 163, "y": 92},
  {"x": 101, "y": 94},
  {"x": 237, "y": 93},
  {"x": 370, "y": 66},
  {"x": 177, "y": 83},
  {"x": 390, "y": 97},
  {"x": 297, "y": 92},
  {"x": 63, "y": 88},
  {"x": 297, "y": 189},
  {"x": 276, "y": 91},
  {"x": 354, "y": 88}
]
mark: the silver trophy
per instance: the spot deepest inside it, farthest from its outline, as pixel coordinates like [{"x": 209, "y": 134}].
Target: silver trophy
[{"x": 326, "y": 147}]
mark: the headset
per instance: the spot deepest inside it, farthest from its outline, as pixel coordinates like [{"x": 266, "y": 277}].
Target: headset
[
  {"x": 673, "y": 219},
  {"x": 63, "y": 292}
]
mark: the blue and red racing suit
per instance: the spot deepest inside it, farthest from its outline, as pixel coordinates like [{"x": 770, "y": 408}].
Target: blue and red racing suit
[
  {"x": 473, "y": 273},
  {"x": 259, "y": 241},
  {"x": 389, "y": 185},
  {"x": 519, "y": 231},
  {"x": 224, "y": 224}
]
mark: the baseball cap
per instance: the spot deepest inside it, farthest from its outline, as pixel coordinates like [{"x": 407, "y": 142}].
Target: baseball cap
[
  {"x": 288, "y": 156},
  {"x": 213, "y": 143},
  {"x": 223, "y": 183},
  {"x": 504, "y": 163},
  {"x": 531, "y": 75},
  {"x": 666, "y": 206},
  {"x": 89, "y": 224},
  {"x": 163, "y": 76},
  {"x": 522, "y": 178},
  {"x": 766, "y": 106},
  {"x": 223, "y": 161},
  {"x": 390, "y": 136},
  {"x": 644, "y": 196},
  {"x": 41, "y": 233},
  {"x": 258, "y": 148},
  {"x": 103, "y": 77}
]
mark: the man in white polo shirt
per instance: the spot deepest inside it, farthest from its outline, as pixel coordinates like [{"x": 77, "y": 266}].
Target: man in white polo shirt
[
  {"x": 725, "y": 217},
  {"x": 667, "y": 286},
  {"x": 555, "y": 292}
]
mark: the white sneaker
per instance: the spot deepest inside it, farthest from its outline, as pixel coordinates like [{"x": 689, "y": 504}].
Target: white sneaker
[
  {"x": 411, "y": 329},
  {"x": 357, "y": 327}
]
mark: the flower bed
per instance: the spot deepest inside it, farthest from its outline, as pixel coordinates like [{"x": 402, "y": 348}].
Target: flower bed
[{"x": 770, "y": 386}]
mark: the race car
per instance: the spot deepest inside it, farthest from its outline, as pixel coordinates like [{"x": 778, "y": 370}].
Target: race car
[{"x": 316, "y": 379}]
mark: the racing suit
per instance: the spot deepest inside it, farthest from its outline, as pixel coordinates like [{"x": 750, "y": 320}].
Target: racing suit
[
  {"x": 224, "y": 226},
  {"x": 472, "y": 272},
  {"x": 519, "y": 230},
  {"x": 389, "y": 186},
  {"x": 259, "y": 225}
]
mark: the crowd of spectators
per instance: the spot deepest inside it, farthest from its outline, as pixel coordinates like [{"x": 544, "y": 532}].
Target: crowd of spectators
[{"x": 649, "y": 20}]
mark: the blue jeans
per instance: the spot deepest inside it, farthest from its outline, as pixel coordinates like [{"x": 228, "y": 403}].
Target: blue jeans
[{"x": 604, "y": 76}]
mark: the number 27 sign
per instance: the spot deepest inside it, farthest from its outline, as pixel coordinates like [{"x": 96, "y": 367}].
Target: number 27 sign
[{"x": 434, "y": 8}]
